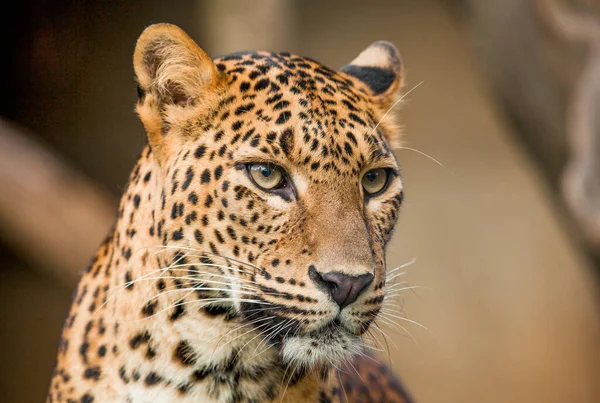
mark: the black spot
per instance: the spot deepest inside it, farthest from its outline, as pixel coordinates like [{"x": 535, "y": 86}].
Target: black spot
[
  {"x": 152, "y": 379},
  {"x": 219, "y": 237},
  {"x": 174, "y": 210},
  {"x": 123, "y": 375},
  {"x": 286, "y": 141},
  {"x": 244, "y": 108},
  {"x": 245, "y": 86},
  {"x": 190, "y": 218},
  {"x": 237, "y": 125},
  {"x": 201, "y": 373},
  {"x": 83, "y": 351},
  {"x": 150, "y": 353},
  {"x": 218, "y": 172},
  {"x": 205, "y": 178},
  {"x": 184, "y": 353},
  {"x": 87, "y": 398},
  {"x": 139, "y": 339},
  {"x": 273, "y": 99},
  {"x": 215, "y": 310},
  {"x": 177, "y": 235},
  {"x": 200, "y": 151},
  {"x": 92, "y": 373},
  {"x": 219, "y": 135},
  {"x": 189, "y": 175},
  {"x": 136, "y": 201},
  {"x": 282, "y": 79},
  {"x": 231, "y": 233},
  {"x": 355, "y": 118},
  {"x": 184, "y": 387},
  {"x": 283, "y": 117},
  {"x": 271, "y": 137},
  {"x": 193, "y": 198},
  {"x": 262, "y": 84},
  {"x": 281, "y": 105},
  {"x": 352, "y": 138},
  {"x": 177, "y": 312},
  {"x": 349, "y": 105},
  {"x": 128, "y": 280},
  {"x": 149, "y": 308}
]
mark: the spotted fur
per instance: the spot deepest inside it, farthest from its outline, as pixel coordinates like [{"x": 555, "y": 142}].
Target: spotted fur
[{"x": 205, "y": 290}]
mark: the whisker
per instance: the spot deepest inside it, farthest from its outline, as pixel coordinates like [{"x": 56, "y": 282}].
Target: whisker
[
  {"x": 193, "y": 289},
  {"x": 394, "y": 327},
  {"x": 342, "y": 386},
  {"x": 387, "y": 313},
  {"x": 123, "y": 287},
  {"x": 427, "y": 156},
  {"x": 414, "y": 259},
  {"x": 145, "y": 278},
  {"x": 241, "y": 335},
  {"x": 240, "y": 327},
  {"x": 203, "y": 303},
  {"x": 192, "y": 279},
  {"x": 394, "y": 104},
  {"x": 202, "y": 253},
  {"x": 386, "y": 337}
]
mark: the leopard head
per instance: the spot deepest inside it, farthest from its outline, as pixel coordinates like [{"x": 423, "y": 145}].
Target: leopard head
[{"x": 278, "y": 185}]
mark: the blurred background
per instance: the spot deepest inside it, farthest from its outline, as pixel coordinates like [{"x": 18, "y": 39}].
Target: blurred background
[{"x": 506, "y": 234}]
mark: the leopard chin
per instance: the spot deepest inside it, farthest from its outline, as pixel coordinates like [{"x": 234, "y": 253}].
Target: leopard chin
[{"x": 329, "y": 346}]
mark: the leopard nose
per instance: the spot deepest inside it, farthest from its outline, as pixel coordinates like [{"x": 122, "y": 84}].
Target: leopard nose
[{"x": 344, "y": 289}]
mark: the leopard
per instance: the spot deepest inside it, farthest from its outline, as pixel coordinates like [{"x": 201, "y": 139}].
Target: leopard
[{"x": 247, "y": 259}]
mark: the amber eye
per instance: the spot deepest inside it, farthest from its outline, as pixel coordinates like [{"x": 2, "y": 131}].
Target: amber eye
[
  {"x": 375, "y": 181},
  {"x": 266, "y": 176}
]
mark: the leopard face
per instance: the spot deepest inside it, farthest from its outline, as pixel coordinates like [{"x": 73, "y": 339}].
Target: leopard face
[{"x": 279, "y": 189}]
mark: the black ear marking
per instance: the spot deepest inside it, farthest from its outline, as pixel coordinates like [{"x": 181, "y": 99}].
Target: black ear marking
[
  {"x": 378, "y": 79},
  {"x": 378, "y": 66}
]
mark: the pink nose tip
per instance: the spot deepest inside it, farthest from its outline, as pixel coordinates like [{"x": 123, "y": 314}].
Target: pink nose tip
[{"x": 342, "y": 288}]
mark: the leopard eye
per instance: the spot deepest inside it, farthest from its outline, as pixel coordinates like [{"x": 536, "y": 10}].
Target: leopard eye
[
  {"x": 375, "y": 181},
  {"x": 267, "y": 176}
]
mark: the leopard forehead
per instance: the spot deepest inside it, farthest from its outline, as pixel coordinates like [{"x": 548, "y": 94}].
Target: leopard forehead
[{"x": 294, "y": 111}]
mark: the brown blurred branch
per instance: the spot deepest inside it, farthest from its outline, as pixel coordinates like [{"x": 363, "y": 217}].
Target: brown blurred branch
[
  {"x": 581, "y": 177},
  {"x": 549, "y": 85},
  {"x": 49, "y": 212}
]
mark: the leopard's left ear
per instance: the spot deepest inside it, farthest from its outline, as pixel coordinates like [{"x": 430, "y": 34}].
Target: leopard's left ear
[{"x": 379, "y": 66}]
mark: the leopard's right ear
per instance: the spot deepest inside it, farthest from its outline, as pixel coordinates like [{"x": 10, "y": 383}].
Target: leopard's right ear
[{"x": 174, "y": 75}]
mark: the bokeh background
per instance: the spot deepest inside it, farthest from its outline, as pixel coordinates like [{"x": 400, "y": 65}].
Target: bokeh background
[{"x": 506, "y": 234}]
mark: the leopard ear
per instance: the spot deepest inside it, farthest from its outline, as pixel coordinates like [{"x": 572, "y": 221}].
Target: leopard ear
[
  {"x": 379, "y": 66},
  {"x": 173, "y": 74}
]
